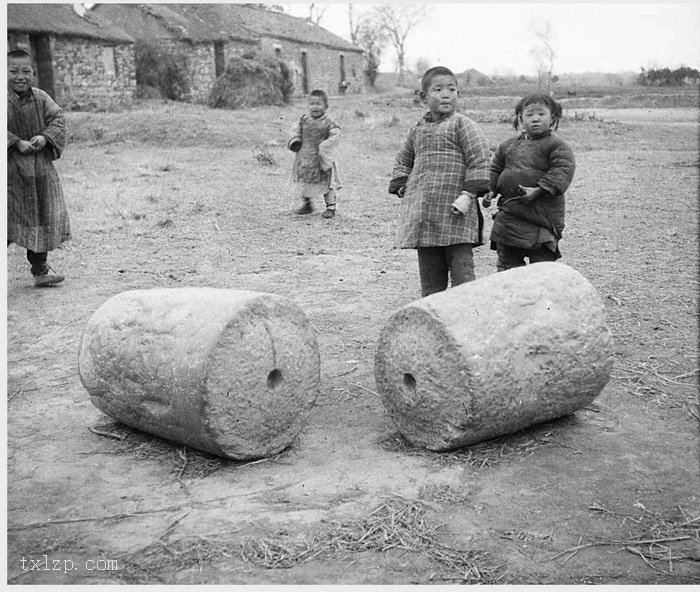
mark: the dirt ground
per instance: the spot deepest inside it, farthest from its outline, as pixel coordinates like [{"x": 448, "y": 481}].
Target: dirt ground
[{"x": 176, "y": 195}]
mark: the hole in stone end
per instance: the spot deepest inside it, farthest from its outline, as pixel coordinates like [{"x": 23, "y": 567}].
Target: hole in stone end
[
  {"x": 274, "y": 379},
  {"x": 409, "y": 381}
]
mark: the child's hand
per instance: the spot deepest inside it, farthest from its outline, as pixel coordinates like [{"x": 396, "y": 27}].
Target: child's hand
[
  {"x": 527, "y": 194},
  {"x": 38, "y": 143},
  {"x": 25, "y": 147},
  {"x": 488, "y": 198},
  {"x": 397, "y": 186}
]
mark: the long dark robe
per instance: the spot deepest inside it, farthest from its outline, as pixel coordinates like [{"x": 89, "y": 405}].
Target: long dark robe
[{"x": 37, "y": 218}]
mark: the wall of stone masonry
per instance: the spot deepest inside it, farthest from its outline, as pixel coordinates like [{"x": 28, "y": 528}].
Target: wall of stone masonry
[
  {"x": 323, "y": 66},
  {"x": 198, "y": 62},
  {"x": 88, "y": 74},
  {"x": 91, "y": 75}
]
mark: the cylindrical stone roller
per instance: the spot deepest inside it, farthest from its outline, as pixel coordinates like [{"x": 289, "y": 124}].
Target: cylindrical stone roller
[
  {"x": 230, "y": 372},
  {"x": 493, "y": 356}
]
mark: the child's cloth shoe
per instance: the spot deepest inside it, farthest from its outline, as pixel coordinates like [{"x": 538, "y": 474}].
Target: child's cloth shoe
[
  {"x": 328, "y": 214},
  {"x": 45, "y": 280},
  {"x": 307, "y": 208}
]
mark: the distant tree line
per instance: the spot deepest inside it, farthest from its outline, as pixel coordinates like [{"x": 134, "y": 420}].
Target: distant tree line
[{"x": 667, "y": 77}]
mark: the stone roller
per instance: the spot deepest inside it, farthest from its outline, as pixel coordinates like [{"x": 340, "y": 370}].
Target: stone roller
[
  {"x": 233, "y": 373},
  {"x": 493, "y": 356}
]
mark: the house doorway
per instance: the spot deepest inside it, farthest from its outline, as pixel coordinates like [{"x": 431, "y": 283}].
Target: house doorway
[
  {"x": 219, "y": 59},
  {"x": 41, "y": 50},
  {"x": 304, "y": 73},
  {"x": 342, "y": 86}
]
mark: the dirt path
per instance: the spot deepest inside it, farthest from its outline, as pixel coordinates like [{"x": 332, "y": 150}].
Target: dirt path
[{"x": 608, "y": 495}]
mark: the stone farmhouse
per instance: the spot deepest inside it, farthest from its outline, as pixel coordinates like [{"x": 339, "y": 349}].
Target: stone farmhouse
[
  {"x": 193, "y": 34},
  {"x": 83, "y": 65},
  {"x": 322, "y": 59},
  {"x": 206, "y": 36}
]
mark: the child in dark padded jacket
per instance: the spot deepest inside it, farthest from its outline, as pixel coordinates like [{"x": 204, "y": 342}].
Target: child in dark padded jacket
[{"x": 530, "y": 172}]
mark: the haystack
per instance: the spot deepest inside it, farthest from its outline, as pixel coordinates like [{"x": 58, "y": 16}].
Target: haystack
[
  {"x": 233, "y": 373},
  {"x": 493, "y": 356},
  {"x": 251, "y": 81}
]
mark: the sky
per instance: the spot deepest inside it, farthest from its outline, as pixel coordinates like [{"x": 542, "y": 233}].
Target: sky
[{"x": 497, "y": 38}]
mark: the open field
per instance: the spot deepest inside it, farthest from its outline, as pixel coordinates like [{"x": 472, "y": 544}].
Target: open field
[{"x": 173, "y": 195}]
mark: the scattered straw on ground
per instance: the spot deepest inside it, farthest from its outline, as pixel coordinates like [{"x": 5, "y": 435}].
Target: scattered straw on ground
[
  {"x": 443, "y": 493},
  {"x": 273, "y": 554},
  {"x": 184, "y": 462},
  {"x": 397, "y": 523},
  {"x": 167, "y": 556},
  {"x": 659, "y": 542},
  {"x": 488, "y": 453},
  {"x": 658, "y": 384}
]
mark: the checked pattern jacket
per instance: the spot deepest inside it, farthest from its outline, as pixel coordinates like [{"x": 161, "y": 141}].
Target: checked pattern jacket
[{"x": 441, "y": 159}]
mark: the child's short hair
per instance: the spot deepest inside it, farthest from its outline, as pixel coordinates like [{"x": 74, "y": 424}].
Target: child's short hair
[
  {"x": 431, "y": 73},
  {"x": 545, "y": 99},
  {"x": 320, "y": 93},
  {"x": 19, "y": 54}
]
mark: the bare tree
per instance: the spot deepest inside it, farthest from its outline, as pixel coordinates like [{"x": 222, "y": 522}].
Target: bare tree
[
  {"x": 396, "y": 21},
  {"x": 316, "y": 12},
  {"x": 366, "y": 32},
  {"x": 353, "y": 23},
  {"x": 544, "y": 55}
]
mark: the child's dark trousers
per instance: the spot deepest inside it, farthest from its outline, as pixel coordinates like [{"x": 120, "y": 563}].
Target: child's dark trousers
[
  {"x": 37, "y": 261},
  {"x": 438, "y": 264},
  {"x": 510, "y": 257}
]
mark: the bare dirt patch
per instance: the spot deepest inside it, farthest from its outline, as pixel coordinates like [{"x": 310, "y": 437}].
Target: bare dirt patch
[{"x": 173, "y": 195}]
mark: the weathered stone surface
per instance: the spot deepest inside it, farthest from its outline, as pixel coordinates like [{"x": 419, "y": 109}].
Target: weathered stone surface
[
  {"x": 493, "y": 356},
  {"x": 230, "y": 372}
]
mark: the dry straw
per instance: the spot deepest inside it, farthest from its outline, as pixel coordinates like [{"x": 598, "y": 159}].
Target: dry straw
[
  {"x": 660, "y": 543},
  {"x": 656, "y": 384},
  {"x": 490, "y": 452},
  {"x": 184, "y": 462},
  {"x": 396, "y": 524}
]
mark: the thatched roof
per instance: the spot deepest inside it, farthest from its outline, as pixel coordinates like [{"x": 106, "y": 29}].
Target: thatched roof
[
  {"x": 196, "y": 23},
  {"x": 279, "y": 25},
  {"x": 61, "y": 20},
  {"x": 216, "y": 22}
]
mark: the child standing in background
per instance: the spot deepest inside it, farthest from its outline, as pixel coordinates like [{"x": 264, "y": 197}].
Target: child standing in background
[
  {"x": 444, "y": 158},
  {"x": 530, "y": 172},
  {"x": 37, "y": 218},
  {"x": 315, "y": 173}
]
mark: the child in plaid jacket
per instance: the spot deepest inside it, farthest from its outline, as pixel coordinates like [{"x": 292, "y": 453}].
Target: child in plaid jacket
[{"x": 445, "y": 157}]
